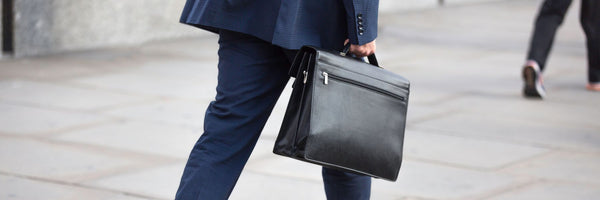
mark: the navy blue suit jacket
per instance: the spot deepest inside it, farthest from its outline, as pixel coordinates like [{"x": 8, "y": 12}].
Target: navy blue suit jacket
[{"x": 289, "y": 23}]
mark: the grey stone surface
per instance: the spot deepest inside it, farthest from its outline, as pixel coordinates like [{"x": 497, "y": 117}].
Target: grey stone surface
[
  {"x": 58, "y": 162},
  {"x": 156, "y": 85},
  {"x": 470, "y": 135},
  {"x": 259, "y": 186},
  {"x": 143, "y": 137},
  {"x": 178, "y": 112},
  {"x": 466, "y": 152},
  {"x": 274, "y": 123},
  {"x": 158, "y": 181},
  {"x": 285, "y": 167},
  {"x": 16, "y": 119},
  {"x": 262, "y": 150},
  {"x": 552, "y": 191},
  {"x": 54, "y": 95},
  {"x": 431, "y": 181},
  {"x": 15, "y": 188},
  {"x": 528, "y": 132},
  {"x": 562, "y": 166}
]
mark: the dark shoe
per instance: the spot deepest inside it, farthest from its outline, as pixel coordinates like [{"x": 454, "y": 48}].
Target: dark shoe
[{"x": 533, "y": 82}]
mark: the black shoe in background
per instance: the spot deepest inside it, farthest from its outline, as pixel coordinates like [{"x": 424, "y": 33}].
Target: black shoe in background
[{"x": 533, "y": 82}]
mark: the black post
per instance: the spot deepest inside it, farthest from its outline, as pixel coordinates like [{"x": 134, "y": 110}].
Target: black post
[{"x": 7, "y": 26}]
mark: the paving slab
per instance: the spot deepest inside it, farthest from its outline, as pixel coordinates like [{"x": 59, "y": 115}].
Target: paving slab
[
  {"x": 550, "y": 112},
  {"x": 273, "y": 124},
  {"x": 176, "y": 68},
  {"x": 470, "y": 136},
  {"x": 418, "y": 179},
  {"x": 58, "y": 162},
  {"x": 262, "y": 150},
  {"x": 156, "y": 85},
  {"x": 23, "y": 120},
  {"x": 143, "y": 137},
  {"x": 61, "y": 96},
  {"x": 525, "y": 132},
  {"x": 178, "y": 112},
  {"x": 196, "y": 48},
  {"x": 16, "y": 188},
  {"x": 562, "y": 166},
  {"x": 552, "y": 191},
  {"x": 466, "y": 152},
  {"x": 286, "y": 167},
  {"x": 266, "y": 187},
  {"x": 44, "y": 69},
  {"x": 158, "y": 181}
]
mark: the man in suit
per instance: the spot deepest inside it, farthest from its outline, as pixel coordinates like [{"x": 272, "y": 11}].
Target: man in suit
[{"x": 257, "y": 41}]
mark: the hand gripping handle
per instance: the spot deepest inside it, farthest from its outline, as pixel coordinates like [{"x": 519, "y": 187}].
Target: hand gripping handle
[{"x": 372, "y": 58}]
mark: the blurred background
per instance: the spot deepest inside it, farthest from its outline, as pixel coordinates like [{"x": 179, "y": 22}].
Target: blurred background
[{"x": 105, "y": 99}]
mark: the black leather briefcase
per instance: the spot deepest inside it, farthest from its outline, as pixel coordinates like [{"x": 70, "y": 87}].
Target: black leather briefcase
[{"x": 345, "y": 114}]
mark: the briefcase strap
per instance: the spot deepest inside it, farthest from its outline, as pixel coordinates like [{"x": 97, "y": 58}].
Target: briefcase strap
[{"x": 372, "y": 58}]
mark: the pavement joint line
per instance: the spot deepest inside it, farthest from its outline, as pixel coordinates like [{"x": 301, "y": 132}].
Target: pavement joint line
[
  {"x": 503, "y": 190},
  {"x": 49, "y": 107},
  {"x": 103, "y": 109},
  {"x": 104, "y": 150},
  {"x": 404, "y": 197},
  {"x": 50, "y": 133},
  {"x": 507, "y": 166},
  {"x": 511, "y": 169},
  {"x": 562, "y": 181},
  {"x": 438, "y": 115},
  {"x": 446, "y": 98},
  {"x": 78, "y": 185},
  {"x": 102, "y": 113},
  {"x": 72, "y": 83},
  {"x": 156, "y": 99},
  {"x": 502, "y": 139},
  {"x": 152, "y": 121},
  {"x": 95, "y": 111},
  {"x": 448, "y": 164},
  {"x": 279, "y": 175},
  {"x": 131, "y": 93}
]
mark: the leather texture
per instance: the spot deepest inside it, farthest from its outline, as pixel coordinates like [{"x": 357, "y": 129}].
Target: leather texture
[{"x": 345, "y": 114}]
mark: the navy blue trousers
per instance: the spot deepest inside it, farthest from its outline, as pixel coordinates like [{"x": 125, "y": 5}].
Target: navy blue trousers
[{"x": 252, "y": 75}]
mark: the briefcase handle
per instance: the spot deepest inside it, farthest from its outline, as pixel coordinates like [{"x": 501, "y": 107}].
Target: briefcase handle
[{"x": 372, "y": 58}]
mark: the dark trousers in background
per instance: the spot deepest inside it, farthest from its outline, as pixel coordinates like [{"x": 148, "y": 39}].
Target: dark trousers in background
[
  {"x": 252, "y": 75},
  {"x": 551, "y": 15}
]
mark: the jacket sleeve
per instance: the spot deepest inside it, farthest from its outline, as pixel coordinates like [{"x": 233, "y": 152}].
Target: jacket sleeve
[{"x": 361, "y": 16}]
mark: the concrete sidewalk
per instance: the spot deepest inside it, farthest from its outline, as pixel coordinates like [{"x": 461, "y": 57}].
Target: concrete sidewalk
[{"x": 119, "y": 123}]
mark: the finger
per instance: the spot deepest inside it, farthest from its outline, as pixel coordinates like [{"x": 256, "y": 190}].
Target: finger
[{"x": 346, "y": 41}]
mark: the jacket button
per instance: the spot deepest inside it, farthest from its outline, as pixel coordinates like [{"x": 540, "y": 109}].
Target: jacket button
[
  {"x": 359, "y": 17},
  {"x": 360, "y": 32},
  {"x": 360, "y": 23}
]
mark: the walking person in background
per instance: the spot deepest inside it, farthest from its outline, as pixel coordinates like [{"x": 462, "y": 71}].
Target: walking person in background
[
  {"x": 257, "y": 42},
  {"x": 551, "y": 15}
]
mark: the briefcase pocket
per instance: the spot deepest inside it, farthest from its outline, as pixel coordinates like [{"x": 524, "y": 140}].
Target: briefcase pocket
[{"x": 357, "y": 122}]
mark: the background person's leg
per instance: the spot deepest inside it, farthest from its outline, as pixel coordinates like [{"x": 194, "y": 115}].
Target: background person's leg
[
  {"x": 346, "y": 186},
  {"x": 252, "y": 74},
  {"x": 590, "y": 21},
  {"x": 550, "y": 17}
]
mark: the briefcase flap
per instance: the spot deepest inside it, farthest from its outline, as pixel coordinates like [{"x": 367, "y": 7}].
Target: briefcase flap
[{"x": 358, "y": 116}]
